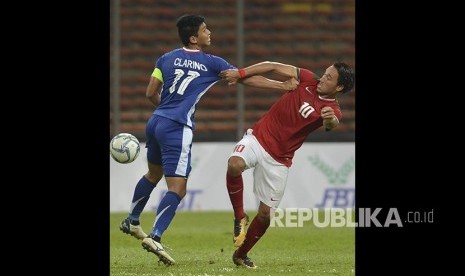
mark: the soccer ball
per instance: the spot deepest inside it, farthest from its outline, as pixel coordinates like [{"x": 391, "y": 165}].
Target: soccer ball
[{"x": 124, "y": 148}]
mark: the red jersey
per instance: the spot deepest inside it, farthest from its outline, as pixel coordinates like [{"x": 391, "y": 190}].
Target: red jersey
[{"x": 284, "y": 128}]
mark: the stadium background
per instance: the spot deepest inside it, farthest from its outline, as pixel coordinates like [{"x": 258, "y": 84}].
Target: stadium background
[{"x": 310, "y": 34}]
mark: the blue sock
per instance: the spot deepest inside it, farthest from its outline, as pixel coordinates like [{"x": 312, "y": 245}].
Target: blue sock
[
  {"x": 141, "y": 195},
  {"x": 165, "y": 212}
]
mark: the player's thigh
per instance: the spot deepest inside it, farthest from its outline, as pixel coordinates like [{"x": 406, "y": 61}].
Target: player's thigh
[
  {"x": 270, "y": 181},
  {"x": 175, "y": 141},
  {"x": 246, "y": 150},
  {"x": 152, "y": 145}
]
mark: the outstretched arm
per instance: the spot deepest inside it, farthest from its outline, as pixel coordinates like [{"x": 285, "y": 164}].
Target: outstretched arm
[
  {"x": 232, "y": 76},
  {"x": 270, "y": 66},
  {"x": 262, "y": 82}
]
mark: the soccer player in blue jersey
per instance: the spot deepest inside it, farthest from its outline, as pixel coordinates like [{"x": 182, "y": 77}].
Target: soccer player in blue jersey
[{"x": 183, "y": 75}]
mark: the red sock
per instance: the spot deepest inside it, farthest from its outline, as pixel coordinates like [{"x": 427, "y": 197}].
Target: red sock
[
  {"x": 235, "y": 187},
  {"x": 256, "y": 230}
]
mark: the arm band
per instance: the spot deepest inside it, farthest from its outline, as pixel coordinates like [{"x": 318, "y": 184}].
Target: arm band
[{"x": 242, "y": 73}]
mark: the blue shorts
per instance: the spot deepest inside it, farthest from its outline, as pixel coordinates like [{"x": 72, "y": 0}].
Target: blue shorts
[{"x": 169, "y": 144}]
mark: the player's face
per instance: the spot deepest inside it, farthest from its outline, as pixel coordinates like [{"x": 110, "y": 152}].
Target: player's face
[
  {"x": 203, "y": 36},
  {"x": 328, "y": 82}
]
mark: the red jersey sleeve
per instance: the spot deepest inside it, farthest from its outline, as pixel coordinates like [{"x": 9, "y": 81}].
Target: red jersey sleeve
[{"x": 308, "y": 77}]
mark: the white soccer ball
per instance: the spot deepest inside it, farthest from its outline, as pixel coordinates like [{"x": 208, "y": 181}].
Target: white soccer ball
[{"x": 124, "y": 148}]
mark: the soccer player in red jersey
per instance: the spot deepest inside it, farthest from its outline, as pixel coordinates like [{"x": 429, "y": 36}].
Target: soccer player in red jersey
[{"x": 270, "y": 144}]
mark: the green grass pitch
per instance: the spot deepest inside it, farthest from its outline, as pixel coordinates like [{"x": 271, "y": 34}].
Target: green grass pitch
[{"x": 201, "y": 244}]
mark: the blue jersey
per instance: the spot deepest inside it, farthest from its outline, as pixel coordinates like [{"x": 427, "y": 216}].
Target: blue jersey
[{"x": 187, "y": 75}]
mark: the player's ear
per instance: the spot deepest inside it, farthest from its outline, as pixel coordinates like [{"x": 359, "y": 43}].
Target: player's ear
[
  {"x": 339, "y": 88},
  {"x": 193, "y": 39}
]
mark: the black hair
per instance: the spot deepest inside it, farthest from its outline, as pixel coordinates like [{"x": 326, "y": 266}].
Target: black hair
[
  {"x": 346, "y": 76},
  {"x": 188, "y": 25}
]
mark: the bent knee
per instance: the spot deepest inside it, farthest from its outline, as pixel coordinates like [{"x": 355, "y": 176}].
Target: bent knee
[
  {"x": 264, "y": 217},
  {"x": 154, "y": 174},
  {"x": 153, "y": 178},
  {"x": 264, "y": 214},
  {"x": 236, "y": 165}
]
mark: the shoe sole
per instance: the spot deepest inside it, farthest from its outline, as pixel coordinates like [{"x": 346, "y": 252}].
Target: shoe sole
[
  {"x": 238, "y": 264},
  {"x": 132, "y": 234},
  {"x": 239, "y": 240},
  {"x": 161, "y": 257}
]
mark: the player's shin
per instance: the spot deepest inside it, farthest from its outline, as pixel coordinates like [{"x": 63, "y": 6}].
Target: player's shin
[{"x": 235, "y": 187}]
